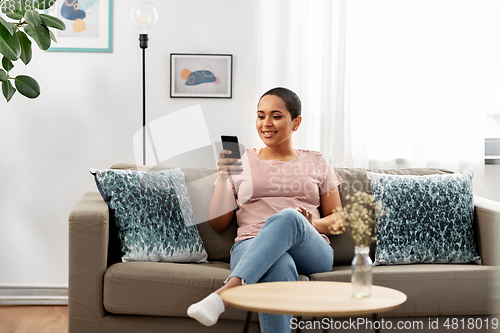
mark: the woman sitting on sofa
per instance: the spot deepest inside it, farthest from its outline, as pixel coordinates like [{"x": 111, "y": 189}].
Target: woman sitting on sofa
[{"x": 278, "y": 190}]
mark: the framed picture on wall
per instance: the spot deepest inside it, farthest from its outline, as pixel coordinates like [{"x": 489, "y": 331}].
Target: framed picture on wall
[
  {"x": 201, "y": 75},
  {"x": 89, "y": 25}
]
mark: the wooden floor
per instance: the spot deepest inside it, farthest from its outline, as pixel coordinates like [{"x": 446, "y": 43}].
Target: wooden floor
[{"x": 34, "y": 319}]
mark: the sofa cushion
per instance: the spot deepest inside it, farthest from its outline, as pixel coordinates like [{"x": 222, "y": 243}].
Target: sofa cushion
[
  {"x": 164, "y": 289},
  {"x": 432, "y": 289},
  {"x": 153, "y": 213},
  {"x": 200, "y": 184},
  {"x": 430, "y": 219},
  {"x": 355, "y": 179}
]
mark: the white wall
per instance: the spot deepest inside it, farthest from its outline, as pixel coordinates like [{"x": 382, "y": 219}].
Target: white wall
[{"x": 89, "y": 109}]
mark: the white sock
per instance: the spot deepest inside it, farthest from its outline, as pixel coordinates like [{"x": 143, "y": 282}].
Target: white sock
[{"x": 208, "y": 310}]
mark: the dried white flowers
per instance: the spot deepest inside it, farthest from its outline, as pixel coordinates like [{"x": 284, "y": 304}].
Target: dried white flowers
[{"x": 361, "y": 214}]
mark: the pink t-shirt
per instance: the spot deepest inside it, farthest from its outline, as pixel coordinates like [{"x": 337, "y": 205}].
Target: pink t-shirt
[{"x": 266, "y": 187}]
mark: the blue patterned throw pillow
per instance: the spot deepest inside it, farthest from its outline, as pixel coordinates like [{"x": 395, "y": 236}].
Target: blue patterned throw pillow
[
  {"x": 430, "y": 219},
  {"x": 153, "y": 214}
]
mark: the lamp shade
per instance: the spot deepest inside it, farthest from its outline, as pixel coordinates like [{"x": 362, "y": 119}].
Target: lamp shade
[{"x": 144, "y": 16}]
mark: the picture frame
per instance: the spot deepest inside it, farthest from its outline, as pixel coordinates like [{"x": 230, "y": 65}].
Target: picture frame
[
  {"x": 89, "y": 25},
  {"x": 201, "y": 75}
]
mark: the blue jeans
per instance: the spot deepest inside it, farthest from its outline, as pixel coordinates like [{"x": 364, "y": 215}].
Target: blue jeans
[{"x": 286, "y": 246}]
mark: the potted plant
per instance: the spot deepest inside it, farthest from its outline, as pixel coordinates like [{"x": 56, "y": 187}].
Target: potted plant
[{"x": 24, "y": 21}]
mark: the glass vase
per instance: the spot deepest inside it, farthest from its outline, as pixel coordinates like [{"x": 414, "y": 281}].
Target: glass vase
[{"x": 361, "y": 274}]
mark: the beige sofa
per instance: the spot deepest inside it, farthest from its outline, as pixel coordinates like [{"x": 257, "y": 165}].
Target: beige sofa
[{"x": 107, "y": 295}]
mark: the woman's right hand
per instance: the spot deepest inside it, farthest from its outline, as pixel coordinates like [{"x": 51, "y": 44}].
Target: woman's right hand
[
  {"x": 226, "y": 166},
  {"x": 223, "y": 202}
]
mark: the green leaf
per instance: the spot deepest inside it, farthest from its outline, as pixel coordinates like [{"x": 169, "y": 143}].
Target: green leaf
[
  {"x": 31, "y": 4},
  {"x": 45, "y": 4},
  {"x": 21, "y": 6},
  {"x": 53, "y": 22},
  {"x": 8, "y": 90},
  {"x": 52, "y": 36},
  {"x": 32, "y": 18},
  {"x": 15, "y": 6},
  {"x": 14, "y": 15},
  {"x": 7, "y": 64},
  {"x": 40, "y": 35},
  {"x": 3, "y": 75},
  {"x": 27, "y": 86},
  {"x": 8, "y": 6},
  {"x": 26, "y": 52},
  {"x": 7, "y": 25},
  {"x": 9, "y": 44}
]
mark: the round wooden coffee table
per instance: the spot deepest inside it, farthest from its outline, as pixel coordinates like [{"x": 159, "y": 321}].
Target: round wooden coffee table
[{"x": 311, "y": 298}]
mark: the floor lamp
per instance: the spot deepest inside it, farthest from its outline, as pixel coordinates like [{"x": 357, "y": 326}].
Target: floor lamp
[{"x": 144, "y": 16}]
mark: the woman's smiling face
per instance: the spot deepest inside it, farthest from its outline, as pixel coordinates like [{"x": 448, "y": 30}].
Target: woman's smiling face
[{"x": 274, "y": 122}]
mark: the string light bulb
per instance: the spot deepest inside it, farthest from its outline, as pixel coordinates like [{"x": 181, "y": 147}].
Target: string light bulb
[{"x": 144, "y": 16}]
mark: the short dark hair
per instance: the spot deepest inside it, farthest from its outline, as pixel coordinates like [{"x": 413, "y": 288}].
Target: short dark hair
[{"x": 292, "y": 101}]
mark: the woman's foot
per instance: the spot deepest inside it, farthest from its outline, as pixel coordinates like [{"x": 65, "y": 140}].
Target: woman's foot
[{"x": 208, "y": 310}]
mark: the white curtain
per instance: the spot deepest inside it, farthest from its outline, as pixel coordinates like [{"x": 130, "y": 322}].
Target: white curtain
[
  {"x": 422, "y": 75},
  {"x": 300, "y": 44},
  {"x": 386, "y": 83}
]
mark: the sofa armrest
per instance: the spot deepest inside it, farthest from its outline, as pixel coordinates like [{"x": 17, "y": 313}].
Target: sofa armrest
[
  {"x": 487, "y": 227},
  {"x": 88, "y": 250}
]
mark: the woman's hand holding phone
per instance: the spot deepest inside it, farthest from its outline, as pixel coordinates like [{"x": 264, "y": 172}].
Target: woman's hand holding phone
[
  {"x": 228, "y": 166},
  {"x": 229, "y": 157}
]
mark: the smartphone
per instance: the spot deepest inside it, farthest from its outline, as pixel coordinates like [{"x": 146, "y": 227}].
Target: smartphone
[{"x": 231, "y": 143}]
